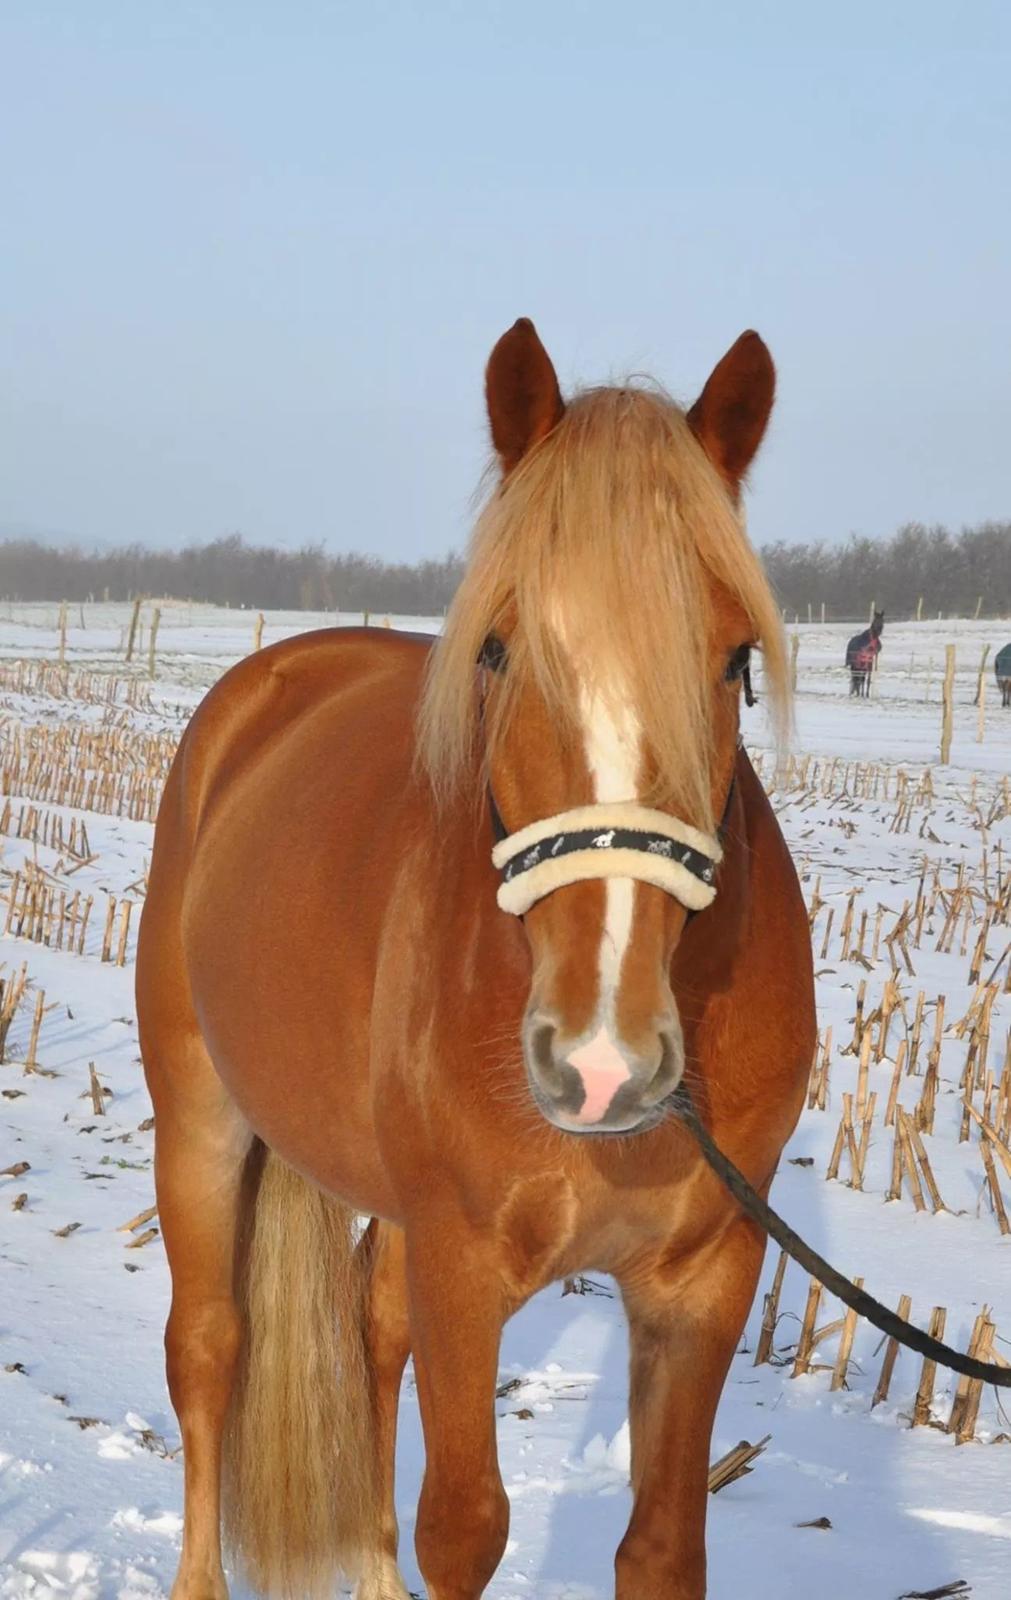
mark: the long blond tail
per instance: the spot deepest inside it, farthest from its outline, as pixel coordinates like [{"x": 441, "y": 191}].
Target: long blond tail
[{"x": 299, "y": 1471}]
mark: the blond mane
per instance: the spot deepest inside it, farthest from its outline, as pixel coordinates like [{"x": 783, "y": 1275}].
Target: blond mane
[{"x": 619, "y": 519}]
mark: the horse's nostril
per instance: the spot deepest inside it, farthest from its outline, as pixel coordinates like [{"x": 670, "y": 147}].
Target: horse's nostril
[
  {"x": 542, "y": 1038},
  {"x": 671, "y": 1067}
]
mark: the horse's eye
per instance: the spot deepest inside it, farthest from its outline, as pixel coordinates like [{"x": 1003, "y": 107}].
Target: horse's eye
[
  {"x": 492, "y": 654},
  {"x": 738, "y": 663}
]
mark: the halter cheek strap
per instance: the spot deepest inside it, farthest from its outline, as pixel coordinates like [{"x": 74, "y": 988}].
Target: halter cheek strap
[{"x": 620, "y": 840}]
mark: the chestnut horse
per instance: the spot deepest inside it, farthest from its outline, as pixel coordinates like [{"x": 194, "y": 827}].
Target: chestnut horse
[{"x": 349, "y": 1010}]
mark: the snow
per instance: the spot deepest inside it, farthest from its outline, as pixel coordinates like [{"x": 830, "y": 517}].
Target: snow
[{"x": 90, "y": 1467}]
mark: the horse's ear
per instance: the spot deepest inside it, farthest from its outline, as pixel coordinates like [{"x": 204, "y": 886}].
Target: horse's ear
[
  {"x": 730, "y": 415},
  {"x": 521, "y": 389}
]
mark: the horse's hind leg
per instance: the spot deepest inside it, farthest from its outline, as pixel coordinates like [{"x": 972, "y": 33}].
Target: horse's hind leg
[
  {"x": 388, "y": 1342},
  {"x": 201, "y": 1144}
]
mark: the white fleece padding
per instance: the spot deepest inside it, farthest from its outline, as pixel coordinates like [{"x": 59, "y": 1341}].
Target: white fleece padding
[{"x": 526, "y": 888}]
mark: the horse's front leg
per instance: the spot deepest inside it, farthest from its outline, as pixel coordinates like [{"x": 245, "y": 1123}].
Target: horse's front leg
[
  {"x": 685, "y": 1321},
  {"x": 457, "y": 1308}
]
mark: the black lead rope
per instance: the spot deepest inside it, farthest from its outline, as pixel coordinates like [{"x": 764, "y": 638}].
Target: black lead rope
[{"x": 858, "y": 1300}]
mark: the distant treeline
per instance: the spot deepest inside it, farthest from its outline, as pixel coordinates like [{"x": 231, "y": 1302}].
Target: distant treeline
[
  {"x": 949, "y": 571},
  {"x": 229, "y": 572}
]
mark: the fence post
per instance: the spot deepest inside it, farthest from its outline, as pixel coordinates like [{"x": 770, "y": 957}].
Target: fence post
[
  {"x": 919, "y": 609},
  {"x": 154, "y": 634},
  {"x": 981, "y": 716},
  {"x": 947, "y": 699},
  {"x": 258, "y": 631},
  {"x": 794, "y": 647},
  {"x": 63, "y": 632},
  {"x": 980, "y": 674},
  {"x": 131, "y": 637},
  {"x": 823, "y": 613}
]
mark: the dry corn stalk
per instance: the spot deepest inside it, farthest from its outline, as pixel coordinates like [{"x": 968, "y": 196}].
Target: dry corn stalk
[
  {"x": 928, "y": 1372},
  {"x": 842, "y": 1359},
  {"x": 891, "y": 1353},
  {"x": 770, "y": 1312},
  {"x": 735, "y": 1464},
  {"x": 805, "y": 1343}
]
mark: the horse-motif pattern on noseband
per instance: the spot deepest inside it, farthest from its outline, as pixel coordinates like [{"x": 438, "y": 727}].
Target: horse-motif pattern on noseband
[{"x": 634, "y": 842}]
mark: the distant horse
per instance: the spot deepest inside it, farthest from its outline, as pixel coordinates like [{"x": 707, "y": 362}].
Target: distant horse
[
  {"x": 1002, "y": 669},
  {"x": 862, "y": 656},
  {"x": 421, "y": 944}
]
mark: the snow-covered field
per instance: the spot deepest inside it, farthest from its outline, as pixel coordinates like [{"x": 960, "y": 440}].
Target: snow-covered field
[{"x": 90, "y": 1473}]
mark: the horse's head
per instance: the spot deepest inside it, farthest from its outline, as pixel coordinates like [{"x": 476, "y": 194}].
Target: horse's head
[
  {"x": 610, "y": 604},
  {"x": 877, "y": 626}
]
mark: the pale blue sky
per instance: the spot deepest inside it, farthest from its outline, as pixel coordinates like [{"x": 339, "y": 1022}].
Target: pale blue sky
[{"x": 253, "y": 255}]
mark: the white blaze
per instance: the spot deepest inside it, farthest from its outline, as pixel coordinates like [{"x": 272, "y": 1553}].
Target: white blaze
[{"x": 612, "y": 736}]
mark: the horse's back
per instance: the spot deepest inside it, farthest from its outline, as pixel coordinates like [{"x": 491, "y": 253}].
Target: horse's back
[{"x": 858, "y": 643}]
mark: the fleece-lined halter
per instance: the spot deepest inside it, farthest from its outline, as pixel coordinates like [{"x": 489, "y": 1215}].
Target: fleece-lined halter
[
  {"x": 622, "y": 839},
  {"x": 619, "y": 840}
]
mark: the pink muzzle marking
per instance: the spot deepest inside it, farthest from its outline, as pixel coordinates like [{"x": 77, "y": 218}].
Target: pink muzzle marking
[{"x": 602, "y": 1069}]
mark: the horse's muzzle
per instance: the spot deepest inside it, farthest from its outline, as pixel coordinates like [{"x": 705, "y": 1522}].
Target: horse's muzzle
[{"x": 597, "y": 1084}]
